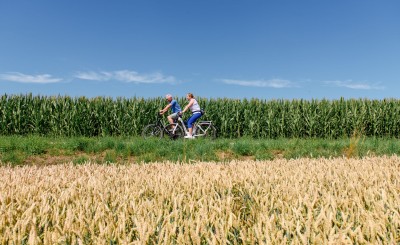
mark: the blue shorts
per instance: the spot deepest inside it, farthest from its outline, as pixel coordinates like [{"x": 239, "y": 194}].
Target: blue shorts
[{"x": 193, "y": 119}]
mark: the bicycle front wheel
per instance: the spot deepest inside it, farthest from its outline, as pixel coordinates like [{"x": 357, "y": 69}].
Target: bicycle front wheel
[
  {"x": 174, "y": 130},
  {"x": 152, "y": 131}
]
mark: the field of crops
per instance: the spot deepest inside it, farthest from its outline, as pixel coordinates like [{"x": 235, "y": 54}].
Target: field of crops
[
  {"x": 321, "y": 201},
  {"x": 66, "y": 116}
]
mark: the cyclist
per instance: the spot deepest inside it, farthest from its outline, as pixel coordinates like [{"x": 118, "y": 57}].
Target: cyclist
[
  {"x": 175, "y": 108},
  {"x": 196, "y": 113}
]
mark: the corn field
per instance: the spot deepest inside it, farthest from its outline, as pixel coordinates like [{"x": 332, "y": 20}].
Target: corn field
[
  {"x": 302, "y": 201},
  {"x": 102, "y": 116}
]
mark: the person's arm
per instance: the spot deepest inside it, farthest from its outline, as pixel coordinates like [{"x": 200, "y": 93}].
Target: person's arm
[
  {"x": 165, "y": 109},
  {"x": 188, "y": 106}
]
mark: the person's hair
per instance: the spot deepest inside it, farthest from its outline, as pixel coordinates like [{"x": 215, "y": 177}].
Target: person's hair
[
  {"x": 168, "y": 95},
  {"x": 190, "y": 95}
]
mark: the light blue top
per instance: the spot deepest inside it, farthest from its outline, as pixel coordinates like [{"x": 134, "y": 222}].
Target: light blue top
[{"x": 175, "y": 106}]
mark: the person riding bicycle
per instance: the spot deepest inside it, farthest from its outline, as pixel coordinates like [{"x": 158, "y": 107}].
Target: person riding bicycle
[
  {"x": 175, "y": 108},
  {"x": 196, "y": 113}
]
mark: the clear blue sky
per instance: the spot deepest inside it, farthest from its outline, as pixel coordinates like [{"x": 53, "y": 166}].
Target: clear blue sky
[{"x": 212, "y": 48}]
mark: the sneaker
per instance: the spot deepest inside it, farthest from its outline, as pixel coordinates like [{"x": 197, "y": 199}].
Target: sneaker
[{"x": 189, "y": 137}]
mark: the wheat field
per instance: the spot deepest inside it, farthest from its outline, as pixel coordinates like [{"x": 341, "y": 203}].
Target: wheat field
[{"x": 302, "y": 201}]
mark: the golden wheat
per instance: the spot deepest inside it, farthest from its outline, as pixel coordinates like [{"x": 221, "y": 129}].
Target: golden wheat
[{"x": 317, "y": 201}]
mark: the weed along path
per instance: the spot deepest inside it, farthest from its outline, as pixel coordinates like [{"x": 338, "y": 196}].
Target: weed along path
[{"x": 318, "y": 201}]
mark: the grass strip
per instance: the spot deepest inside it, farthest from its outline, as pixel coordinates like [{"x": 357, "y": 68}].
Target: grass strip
[{"x": 37, "y": 150}]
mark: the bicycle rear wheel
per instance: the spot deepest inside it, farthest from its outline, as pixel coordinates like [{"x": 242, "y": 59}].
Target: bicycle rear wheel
[
  {"x": 152, "y": 131},
  {"x": 174, "y": 130},
  {"x": 205, "y": 130}
]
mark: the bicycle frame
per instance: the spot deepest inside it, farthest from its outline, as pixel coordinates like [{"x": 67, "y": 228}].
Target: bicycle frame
[
  {"x": 199, "y": 128},
  {"x": 183, "y": 126}
]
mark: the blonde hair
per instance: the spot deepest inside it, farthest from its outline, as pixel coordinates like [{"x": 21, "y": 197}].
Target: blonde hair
[{"x": 190, "y": 95}]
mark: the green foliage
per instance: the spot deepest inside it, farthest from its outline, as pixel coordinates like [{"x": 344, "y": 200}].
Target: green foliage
[
  {"x": 110, "y": 157},
  {"x": 255, "y": 118},
  {"x": 80, "y": 160},
  {"x": 13, "y": 157},
  {"x": 243, "y": 148}
]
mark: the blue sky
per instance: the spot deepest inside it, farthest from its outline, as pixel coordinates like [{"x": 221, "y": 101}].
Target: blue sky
[{"x": 212, "y": 48}]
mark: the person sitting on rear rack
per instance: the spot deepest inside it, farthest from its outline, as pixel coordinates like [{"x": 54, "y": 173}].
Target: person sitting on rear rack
[{"x": 196, "y": 113}]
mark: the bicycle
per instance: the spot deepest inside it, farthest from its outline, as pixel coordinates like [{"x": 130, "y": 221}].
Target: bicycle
[
  {"x": 200, "y": 129},
  {"x": 157, "y": 129}
]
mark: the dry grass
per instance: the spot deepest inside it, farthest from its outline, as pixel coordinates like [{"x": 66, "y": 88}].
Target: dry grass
[{"x": 321, "y": 201}]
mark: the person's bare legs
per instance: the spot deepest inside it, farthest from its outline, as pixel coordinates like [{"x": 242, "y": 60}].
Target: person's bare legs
[{"x": 170, "y": 120}]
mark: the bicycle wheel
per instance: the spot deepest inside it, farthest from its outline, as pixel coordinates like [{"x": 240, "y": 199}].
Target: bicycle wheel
[
  {"x": 205, "y": 130},
  {"x": 152, "y": 130},
  {"x": 174, "y": 130}
]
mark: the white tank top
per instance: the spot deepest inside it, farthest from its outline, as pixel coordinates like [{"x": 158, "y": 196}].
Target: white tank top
[{"x": 195, "y": 107}]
